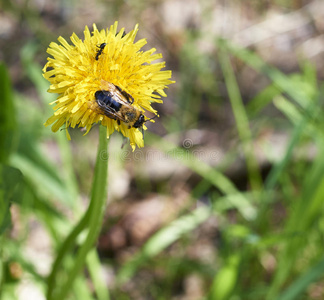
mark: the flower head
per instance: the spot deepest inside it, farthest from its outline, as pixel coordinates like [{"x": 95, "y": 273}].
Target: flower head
[{"x": 105, "y": 78}]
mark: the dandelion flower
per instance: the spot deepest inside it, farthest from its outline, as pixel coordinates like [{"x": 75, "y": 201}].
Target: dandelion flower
[{"x": 104, "y": 60}]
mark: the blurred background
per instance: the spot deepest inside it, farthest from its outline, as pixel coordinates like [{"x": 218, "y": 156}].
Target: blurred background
[{"x": 225, "y": 201}]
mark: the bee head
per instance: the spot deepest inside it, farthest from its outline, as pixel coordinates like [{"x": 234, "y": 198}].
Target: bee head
[{"x": 140, "y": 121}]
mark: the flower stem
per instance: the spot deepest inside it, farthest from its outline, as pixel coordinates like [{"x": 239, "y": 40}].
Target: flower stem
[{"x": 96, "y": 212}]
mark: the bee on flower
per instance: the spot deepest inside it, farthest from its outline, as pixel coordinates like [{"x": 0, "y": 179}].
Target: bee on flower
[{"x": 105, "y": 79}]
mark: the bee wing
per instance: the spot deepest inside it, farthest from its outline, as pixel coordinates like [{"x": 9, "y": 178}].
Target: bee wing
[
  {"x": 108, "y": 111},
  {"x": 122, "y": 95},
  {"x": 127, "y": 96}
]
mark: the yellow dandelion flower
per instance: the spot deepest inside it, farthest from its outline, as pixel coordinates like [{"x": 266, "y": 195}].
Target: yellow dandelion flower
[{"x": 105, "y": 78}]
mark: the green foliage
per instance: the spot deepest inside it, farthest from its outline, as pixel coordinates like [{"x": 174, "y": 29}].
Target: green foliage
[
  {"x": 266, "y": 237},
  {"x": 162, "y": 239},
  {"x": 10, "y": 178},
  {"x": 7, "y": 116},
  {"x": 10, "y": 188},
  {"x": 225, "y": 280}
]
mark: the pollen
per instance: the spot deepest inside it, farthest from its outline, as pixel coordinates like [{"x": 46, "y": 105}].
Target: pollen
[{"x": 77, "y": 70}]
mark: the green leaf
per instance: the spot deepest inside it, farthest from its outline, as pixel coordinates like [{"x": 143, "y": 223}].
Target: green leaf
[
  {"x": 224, "y": 281},
  {"x": 10, "y": 180},
  {"x": 7, "y": 116}
]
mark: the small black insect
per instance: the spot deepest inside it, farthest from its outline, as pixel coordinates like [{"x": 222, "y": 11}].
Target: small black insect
[{"x": 101, "y": 47}]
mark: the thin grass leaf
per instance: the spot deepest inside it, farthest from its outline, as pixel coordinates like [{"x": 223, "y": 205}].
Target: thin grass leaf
[
  {"x": 241, "y": 119},
  {"x": 10, "y": 182},
  {"x": 295, "y": 115},
  {"x": 2, "y": 270},
  {"x": 300, "y": 285},
  {"x": 162, "y": 239},
  {"x": 42, "y": 180},
  {"x": 299, "y": 129},
  {"x": 210, "y": 174},
  {"x": 288, "y": 109},
  {"x": 34, "y": 71},
  {"x": 95, "y": 271},
  {"x": 68, "y": 172},
  {"x": 81, "y": 290},
  {"x": 283, "y": 82},
  {"x": 261, "y": 100},
  {"x": 15, "y": 251},
  {"x": 308, "y": 210},
  {"x": 8, "y": 133}
]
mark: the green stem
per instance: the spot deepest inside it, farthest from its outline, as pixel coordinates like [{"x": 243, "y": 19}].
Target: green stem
[{"x": 96, "y": 212}]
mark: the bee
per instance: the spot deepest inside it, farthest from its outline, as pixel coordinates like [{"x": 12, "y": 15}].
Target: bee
[
  {"x": 101, "y": 47},
  {"x": 116, "y": 104}
]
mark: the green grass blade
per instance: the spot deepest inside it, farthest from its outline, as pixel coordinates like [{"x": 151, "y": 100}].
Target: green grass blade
[
  {"x": 296, "y": 289},
  {"x": 38, "y": 174},
  {"x": 10, "y": 181},
  {"x": 261, "y": 100},
  {"x": 283, "y": 82},
  {"x": 34, "y": 71},
  {"x": 7, "y": 116},
  {"x": 95, "y": 270},
  {"x": 277, "y": 170},
  {"x": 81, "y": 290},
  {"x": 69, "y": 174},
  {"x": 241, "y": 119},
  {"x": 308, "y": 210},
  {"x": 162, "y": 239},
  {"x": 210, "y": 174}
]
